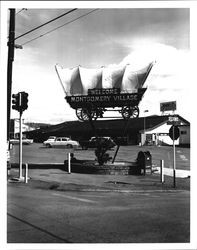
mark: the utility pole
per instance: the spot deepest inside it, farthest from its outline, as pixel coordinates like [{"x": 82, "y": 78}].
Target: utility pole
[{"x": 9, "y": 66}]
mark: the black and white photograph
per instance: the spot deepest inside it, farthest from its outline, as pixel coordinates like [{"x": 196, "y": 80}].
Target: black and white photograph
[{"x": 98, "y": 102}]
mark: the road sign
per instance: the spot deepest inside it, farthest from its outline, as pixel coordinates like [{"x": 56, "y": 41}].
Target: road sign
[
  {"x": 174, "y": 132},
  {"x": 167, "y": 106},
  {"x": 173, "y": 120}
]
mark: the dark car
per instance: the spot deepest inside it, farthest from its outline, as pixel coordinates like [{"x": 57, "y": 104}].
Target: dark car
[{"x": 95, "y": 142}]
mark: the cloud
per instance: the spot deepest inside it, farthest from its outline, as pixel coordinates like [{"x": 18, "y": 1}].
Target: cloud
[{"x": 170, "y": 79}]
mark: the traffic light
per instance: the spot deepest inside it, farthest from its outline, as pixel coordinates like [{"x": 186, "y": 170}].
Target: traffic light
[
  {"x": 16, "y": 101},
  {"x": 20, "y": 101},
  {"x": 24, "y": 101}
]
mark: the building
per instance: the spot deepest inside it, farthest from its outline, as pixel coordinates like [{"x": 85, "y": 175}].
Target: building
[
  {"x": 184, "y": 138},
  {"x": 152, "y": 130},
  {"x": 15, "y": 128},
  {"x": 159, "y": 134}
]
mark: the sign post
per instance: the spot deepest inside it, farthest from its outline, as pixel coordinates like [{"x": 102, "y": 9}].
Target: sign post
[
  {"x": 174, "y": 134},
  {"x": 26, "y": 173},
  {"x": 69, "y": 163},
  {"x": 174, "y": 161},
  {"x": 162, "y": 171}
]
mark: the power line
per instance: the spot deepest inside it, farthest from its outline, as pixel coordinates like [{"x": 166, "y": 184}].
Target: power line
[
  {"x": 60, "y": 26},
  {"x": 45, "y": 23},
  {"x": 20, "y": 11}
]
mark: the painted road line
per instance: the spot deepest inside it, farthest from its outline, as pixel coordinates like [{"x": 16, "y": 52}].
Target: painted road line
[{"x": 74, "y": 198}]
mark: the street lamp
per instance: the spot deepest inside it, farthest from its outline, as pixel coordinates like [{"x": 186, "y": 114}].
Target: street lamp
[
  {"x": 18, "y": 46},
  {"x": 145, "y": 111}
]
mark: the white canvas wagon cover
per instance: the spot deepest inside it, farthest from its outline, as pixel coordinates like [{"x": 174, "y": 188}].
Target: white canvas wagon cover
[{"x": 77, "y": 81}]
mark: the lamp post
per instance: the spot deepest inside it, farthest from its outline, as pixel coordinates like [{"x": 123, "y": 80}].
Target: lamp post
[{"x": 145, "y": 111}]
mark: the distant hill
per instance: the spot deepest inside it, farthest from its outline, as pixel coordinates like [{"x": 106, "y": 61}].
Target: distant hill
[{"x": 37, "y": 125}]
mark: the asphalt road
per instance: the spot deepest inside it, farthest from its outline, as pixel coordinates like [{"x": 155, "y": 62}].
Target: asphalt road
[
  {"x": 50, "y": 216},
  {"x": 46, "y": 215},
  {"x": 37, "y": 153}
]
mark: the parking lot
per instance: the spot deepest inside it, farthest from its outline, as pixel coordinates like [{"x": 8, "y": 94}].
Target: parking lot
[{"x": 37, "y": 153}]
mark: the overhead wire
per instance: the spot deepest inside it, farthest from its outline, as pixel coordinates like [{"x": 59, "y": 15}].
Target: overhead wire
[
  {"x": 59, "y": 27},
  {"x": 20, "y": 11},
  {"x": 52, "y": 20}
]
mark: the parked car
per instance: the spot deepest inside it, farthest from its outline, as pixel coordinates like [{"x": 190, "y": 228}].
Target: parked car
[
  {"x": 25, "y": 141},
  {"x": 121, "y": 140},
  {"x": 51, "y": 138},
  {"x": 60, "y": 142},
  {"x": 95, "y": 141}
]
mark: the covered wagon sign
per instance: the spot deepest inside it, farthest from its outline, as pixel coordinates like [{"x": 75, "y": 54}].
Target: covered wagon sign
[
  {"x": 103, "y": 99},
  {"x": 91, "y": 91}
]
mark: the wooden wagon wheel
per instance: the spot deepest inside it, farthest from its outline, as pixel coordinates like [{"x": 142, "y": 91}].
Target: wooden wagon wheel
[
  {"x": 130, "y": 112},
  {"x": 84, "y": 114},
  {"x": 78, "y": 114}
]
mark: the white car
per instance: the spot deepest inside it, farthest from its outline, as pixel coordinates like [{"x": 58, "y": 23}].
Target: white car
[
  {"x": 51, "y": 138},
  {"x": 24, "y": 141},
  {"x": 65, "y": 142}
]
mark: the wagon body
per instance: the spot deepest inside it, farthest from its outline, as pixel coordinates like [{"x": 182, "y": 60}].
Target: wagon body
[
  {"x": 106, "y": 100},
  {"x": 92, "y": 91}
]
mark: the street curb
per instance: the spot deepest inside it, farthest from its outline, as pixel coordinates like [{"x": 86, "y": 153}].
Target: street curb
[
  {"x": 132, "y": 191},
  {"x": 89, "y": 167},
  {"x": 68, "y": 187}
]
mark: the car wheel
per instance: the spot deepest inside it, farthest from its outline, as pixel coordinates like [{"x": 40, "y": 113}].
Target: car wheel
[
  {"x": 69, "y": 146},
  {"x": 48, "y": 145}
]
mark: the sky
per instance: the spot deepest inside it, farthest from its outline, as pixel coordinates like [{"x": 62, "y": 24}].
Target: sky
[{"x": 104, "y": 37}]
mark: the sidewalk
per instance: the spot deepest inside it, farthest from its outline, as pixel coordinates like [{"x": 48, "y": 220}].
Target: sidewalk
[{"x": 179, "y": 173}]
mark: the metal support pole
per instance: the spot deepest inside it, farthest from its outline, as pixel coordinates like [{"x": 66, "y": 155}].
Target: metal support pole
[
  {"x": 115, "y": 153},
  {"x": 162, "y": 171},
  {"x": 20, "y": 147},
  {"x": 145, "y": 111},
  {"x": 26, "y": 173},
  {"x": 69, "y": 164},
  {"x": 91, "y": 123},
  {"x": 124, "y": 132}
]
